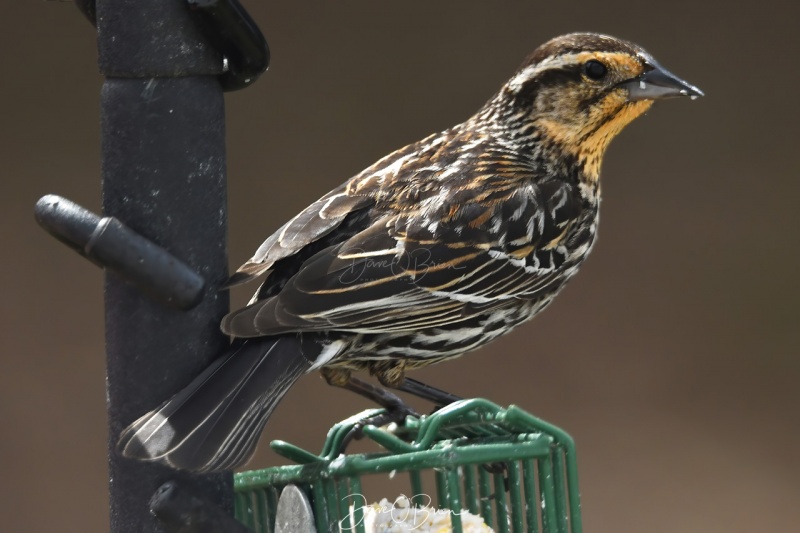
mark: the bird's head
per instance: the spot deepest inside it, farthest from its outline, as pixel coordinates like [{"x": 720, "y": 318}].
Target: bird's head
[{"x": 580, "y": 90}]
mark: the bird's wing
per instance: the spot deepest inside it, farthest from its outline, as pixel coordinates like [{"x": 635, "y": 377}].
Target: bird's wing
[
  {"x": 429, "y": 268},
  {"x": 312, "y": 224}
]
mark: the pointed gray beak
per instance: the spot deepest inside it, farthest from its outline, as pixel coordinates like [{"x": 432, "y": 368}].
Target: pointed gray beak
[{"x": 659, "y": 83}]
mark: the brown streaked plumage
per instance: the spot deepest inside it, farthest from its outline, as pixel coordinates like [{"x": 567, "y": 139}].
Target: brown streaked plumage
[{"x": 433, "y": 251}]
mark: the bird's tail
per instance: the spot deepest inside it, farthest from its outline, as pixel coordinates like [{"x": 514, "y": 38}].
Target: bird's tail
[{"x": 214, "y": 423}]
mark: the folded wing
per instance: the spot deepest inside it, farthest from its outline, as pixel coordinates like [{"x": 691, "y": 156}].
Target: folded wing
[{"x": 425, "y": 268}]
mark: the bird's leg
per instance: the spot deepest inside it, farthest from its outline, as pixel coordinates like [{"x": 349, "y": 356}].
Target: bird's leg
[
  {"x": 381, "y": 396},
  {"x": 396, "y": 410},
  {"x": 436, "y": 396},
  {"x": 393, "y": 375}
]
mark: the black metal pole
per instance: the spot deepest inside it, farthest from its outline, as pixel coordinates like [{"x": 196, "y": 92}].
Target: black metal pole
[{"x": 164, "y": 177}]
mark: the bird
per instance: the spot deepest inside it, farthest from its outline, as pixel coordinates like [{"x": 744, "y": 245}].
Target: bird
[{"x": 433, "y": 251}]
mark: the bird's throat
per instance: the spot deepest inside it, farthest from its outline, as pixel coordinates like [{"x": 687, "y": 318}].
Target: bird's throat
[{"x": 587, "y": 142}]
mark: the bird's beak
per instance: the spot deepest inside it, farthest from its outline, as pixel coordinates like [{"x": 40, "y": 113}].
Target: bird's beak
[{"x": 658, "y": 83}]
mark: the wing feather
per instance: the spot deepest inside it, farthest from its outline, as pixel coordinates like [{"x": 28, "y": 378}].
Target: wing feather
[
  {"x": 405, "y": 272},
  {"x": 313, "y": 223}
]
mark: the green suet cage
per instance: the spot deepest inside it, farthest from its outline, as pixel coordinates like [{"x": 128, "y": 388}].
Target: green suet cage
[{"x": 515, "y": 471}]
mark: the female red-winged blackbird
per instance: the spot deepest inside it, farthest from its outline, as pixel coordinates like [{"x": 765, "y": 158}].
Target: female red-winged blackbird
[{"x": 431, "y": 252}]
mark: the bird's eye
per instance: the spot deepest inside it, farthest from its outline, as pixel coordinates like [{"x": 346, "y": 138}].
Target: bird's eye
[{"x": 594, "y": 69}]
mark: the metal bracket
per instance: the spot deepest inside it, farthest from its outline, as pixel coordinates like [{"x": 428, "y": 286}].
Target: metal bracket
[
  {"x": 236, "y": 35},
  {"x": 180, "y": 511},
  {"x": 108, "y": 243},
  {"x": 230, "y": 29}
]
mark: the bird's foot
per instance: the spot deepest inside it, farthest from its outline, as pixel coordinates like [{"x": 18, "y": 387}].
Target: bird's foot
[
  {"x": 498, "y": 468},
  {"x": 394, "y": 414}
]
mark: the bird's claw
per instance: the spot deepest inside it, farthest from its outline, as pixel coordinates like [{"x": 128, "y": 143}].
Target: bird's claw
[
  {"x": 395, "y": 415},
  {"x": 498, "y": 468}
]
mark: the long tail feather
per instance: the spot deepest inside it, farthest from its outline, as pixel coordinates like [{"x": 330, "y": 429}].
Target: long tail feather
[{"x": 215, "y": 422}]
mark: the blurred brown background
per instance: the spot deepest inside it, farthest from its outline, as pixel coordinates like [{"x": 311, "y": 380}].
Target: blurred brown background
[{"x": 672, "y": 358}]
